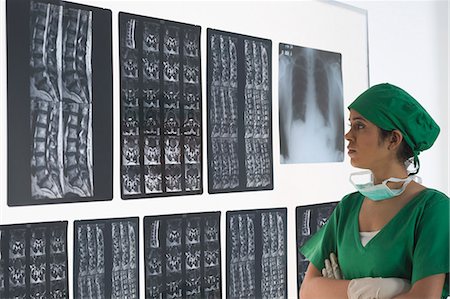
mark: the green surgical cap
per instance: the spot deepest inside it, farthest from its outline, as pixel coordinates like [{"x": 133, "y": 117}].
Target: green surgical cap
[{"x": 390, "y": 107}]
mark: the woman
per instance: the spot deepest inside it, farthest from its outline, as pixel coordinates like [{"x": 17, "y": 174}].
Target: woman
[{"x": 392, "y": 236}]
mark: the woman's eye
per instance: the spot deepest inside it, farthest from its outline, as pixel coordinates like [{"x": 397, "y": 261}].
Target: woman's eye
[{"x": 356, "y": 126}]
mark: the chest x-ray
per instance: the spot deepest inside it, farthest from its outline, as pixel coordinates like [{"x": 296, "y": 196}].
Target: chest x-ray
[{"x": 311, "y": 105}]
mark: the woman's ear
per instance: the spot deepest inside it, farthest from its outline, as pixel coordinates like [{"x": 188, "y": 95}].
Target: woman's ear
[{"x": 395, "y": 139}]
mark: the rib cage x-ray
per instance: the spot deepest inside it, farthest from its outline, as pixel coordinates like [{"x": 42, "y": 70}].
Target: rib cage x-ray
[
  {"x": 182, "y": 256},
  {"x": 61, "y": 101},
  {"x": 33, "y": 260},
  {"x": 309, "y": 219},
  {"x": 256, "y": 254},
  {"x": 161, "y": 107},
  {"x": 239, "y": 112},
  {"x": 106, "y": 262},
  {"x": 311, "y": 105}
]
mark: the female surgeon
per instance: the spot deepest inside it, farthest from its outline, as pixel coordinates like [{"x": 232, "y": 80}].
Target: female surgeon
[{"x": 391, "y": 237}]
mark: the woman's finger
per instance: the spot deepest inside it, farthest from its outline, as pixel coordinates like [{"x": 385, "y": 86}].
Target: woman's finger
[
  {"x": 335, "y": 266},
  {"x": 329, "y": 269}
]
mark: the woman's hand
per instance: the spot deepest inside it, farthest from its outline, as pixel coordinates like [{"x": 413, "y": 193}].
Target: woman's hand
[
  {"x": 332, "y": 269},
  {"x": 377, "y": 288}
]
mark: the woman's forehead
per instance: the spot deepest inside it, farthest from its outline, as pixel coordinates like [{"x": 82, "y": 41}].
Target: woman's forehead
[{"x": 355, "y": 115}]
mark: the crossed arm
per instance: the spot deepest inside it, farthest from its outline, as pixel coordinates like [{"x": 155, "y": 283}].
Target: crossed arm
[
  {"x": 316, "y": 286},
  {"x": 428, "y": 287}
]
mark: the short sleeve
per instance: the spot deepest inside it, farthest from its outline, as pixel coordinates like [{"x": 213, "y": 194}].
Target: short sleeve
[
  {"x": 431, "y": 251},
  {"x": 323, "y": 242}
]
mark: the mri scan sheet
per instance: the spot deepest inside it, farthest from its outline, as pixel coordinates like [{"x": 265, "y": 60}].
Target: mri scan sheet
[
  {"x": 59, "y": 102},
  {"x": 256, "y": 254},
  {"x": 311, "y": 112},
  {"x": 239, "y": 113},
  {"x": 182, "y": 256},
  {"x": 33, "y": 260},
  {"x": 161, "y": 119},
  {"x": 309, "y": 219},
  {"x": 106, "y": 258}
]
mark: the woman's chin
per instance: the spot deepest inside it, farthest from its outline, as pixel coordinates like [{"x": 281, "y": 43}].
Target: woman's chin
[{"x": 355, "y": 163}]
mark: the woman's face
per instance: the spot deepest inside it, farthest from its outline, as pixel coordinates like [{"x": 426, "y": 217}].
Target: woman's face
[{"x": 364, "y": 146}]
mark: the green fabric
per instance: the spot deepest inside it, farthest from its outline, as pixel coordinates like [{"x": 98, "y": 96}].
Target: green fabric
[
  {"x": 390, "y": 107},
  {"x": 413, "y": 245}
]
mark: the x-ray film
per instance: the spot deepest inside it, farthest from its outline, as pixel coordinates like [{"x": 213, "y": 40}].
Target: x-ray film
[
  {"x": 106, "y": 258},
  {"x": 59, "y": 102},
  {"x": 309, "y": 219},
  {"x": 33, "y": 260},
  {"x": 311, "y": 112},
  {"x": 256, "y": 254},
  {"x": 239, "y": 113},
  {"x": 161, "y": 119},
  {"x": 182, "y": 256}
]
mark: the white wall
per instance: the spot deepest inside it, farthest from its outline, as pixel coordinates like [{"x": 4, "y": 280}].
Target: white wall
[{"x": 406, "y": 48}]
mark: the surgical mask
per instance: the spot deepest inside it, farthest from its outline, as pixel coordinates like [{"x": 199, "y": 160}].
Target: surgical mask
[{"x": 380, "y": 191}]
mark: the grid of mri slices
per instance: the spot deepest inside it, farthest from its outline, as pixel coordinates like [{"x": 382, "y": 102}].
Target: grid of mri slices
[
  {"x": 182, "y": 255},
  {"x": 160, "y": 107}
]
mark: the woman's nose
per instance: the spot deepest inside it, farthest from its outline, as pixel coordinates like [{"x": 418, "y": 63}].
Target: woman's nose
[{"x": 348, "y": 135}]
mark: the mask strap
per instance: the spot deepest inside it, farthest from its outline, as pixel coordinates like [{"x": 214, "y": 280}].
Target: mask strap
[
  {"x": 416, "y": 163},
  {"x": 363, "y": 172},
  {"x": 406, "y": 182},
  {"x": 397, "y": 180}
]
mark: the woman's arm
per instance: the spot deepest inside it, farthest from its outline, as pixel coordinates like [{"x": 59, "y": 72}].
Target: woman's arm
[
  {"x": 429, "y": 287},
  {"x": 314, "y": 286}
]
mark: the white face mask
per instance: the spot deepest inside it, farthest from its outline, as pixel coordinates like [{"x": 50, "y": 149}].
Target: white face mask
[{"x": 380, "y": 191}]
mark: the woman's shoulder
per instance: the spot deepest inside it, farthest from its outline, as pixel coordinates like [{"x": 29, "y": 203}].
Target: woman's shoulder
[
  {"x": 432, "y": 200},
  {"x": 432, "y": 196},
  {"x": 350, "y": 200},
  {"x": 352, "y": 197}
]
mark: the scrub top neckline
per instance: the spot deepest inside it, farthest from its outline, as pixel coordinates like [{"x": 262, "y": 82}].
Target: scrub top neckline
[{"x": 380, "y": 232}]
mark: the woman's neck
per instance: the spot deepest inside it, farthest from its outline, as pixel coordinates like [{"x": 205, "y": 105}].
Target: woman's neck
[{"x": 391, "y": 170}]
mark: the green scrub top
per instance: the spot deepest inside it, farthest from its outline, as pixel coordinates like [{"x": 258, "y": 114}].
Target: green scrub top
[{"x": 412, "y": 245}]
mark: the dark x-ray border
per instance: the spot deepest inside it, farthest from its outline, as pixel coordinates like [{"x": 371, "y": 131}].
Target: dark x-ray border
[
  {"x": 123, "y": 16},
  {"x": 108, "y": 254},
  {"x": 258, "y": 238},
  {"x": 298, "y": 226},
  {"x": 18, "y": 111},
  {"x": 184, "y": 217},
  {"x": 241, "y": 125},
  {"x": 4, "y": 249}
]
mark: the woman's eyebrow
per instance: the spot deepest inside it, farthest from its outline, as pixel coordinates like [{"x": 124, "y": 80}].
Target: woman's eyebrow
[{"x": 357, "y": 118}]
